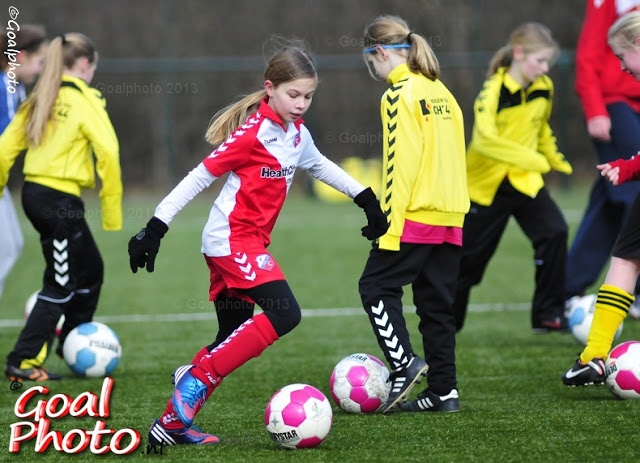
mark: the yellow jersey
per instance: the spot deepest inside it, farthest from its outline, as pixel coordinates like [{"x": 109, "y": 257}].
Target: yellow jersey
[
  {"x": 424, "y": 171},
  {"x": 511, "y": 138},
  {"x": 79, "y": 129}
]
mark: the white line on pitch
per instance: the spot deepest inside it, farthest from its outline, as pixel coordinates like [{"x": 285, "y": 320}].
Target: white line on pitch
[{"x": 195, "y": 316}]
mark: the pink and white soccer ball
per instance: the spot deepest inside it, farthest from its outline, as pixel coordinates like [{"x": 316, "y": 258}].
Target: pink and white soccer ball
[
  {"x": 298, "y": 416},
  {"x": 359, "y": 383},
  {"x": 623, "y": 370},
  {"x": 28, "y": 308}
]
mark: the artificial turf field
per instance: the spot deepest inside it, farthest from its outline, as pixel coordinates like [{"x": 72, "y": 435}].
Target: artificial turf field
[{"x": 513, "y": 405}]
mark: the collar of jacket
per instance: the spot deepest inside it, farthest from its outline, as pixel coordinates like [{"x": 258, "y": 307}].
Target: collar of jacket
[
  {"x": 513, "y": 86},
  {"x": 398, "y": 73},
  {"x": 81, "y": 84}
]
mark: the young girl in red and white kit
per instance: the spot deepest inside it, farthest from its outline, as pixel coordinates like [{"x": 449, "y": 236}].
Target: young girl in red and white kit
[{"x": 261, "y": 140}]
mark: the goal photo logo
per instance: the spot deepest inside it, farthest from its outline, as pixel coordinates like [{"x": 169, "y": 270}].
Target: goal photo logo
[{"x": 39, "y": 412}]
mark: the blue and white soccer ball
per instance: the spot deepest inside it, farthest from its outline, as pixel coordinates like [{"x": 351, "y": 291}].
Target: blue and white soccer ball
[
  {"x": 92, "y": 349},
  {"x": 580, "y": 316}
]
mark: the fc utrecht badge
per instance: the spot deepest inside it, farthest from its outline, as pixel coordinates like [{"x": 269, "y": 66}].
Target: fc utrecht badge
[
  {"x": 296, "y": 140},
  {"x": 265, "y": 262}
]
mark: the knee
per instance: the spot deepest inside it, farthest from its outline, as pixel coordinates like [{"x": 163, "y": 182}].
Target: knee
[
  {"x": 369, "y": 291},
  {"x": 557, "y": 233},
  {"x": 285, "y": 319}
]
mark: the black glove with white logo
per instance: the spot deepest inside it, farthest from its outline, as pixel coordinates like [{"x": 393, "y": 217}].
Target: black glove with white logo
[
  {"x": 377, "y": 220},
  {"x": 144, "y": 247}
]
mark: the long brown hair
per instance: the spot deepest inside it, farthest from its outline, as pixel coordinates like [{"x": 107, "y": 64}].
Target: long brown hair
[
  {"x": 531, "y": 36},
  {"x": 393, "y": 30},
  {"x": 27, "y": 39},
  {"x": 63, "y": 52},
  {"x": 287, "y": 64}
]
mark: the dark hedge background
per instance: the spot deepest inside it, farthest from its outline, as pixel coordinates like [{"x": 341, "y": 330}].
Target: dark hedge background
[{"x": 167, "y": 66}]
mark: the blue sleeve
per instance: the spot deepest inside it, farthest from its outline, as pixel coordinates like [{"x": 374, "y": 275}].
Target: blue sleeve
[{"x": 4, "y": 109}]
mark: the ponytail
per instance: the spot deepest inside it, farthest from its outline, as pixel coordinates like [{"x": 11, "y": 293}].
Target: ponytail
[
  {"x": 40, "y": 102},
  {"x": 422, "y": 59},
  {"x": 228, "y": 119},
  {"x": 291, "y": 61},
  {"x": 501, "y": 58},
  {"x": 393, "y": 30},
  {"x": 531, "y": 37},
  {"x": 63, "y": 52}
]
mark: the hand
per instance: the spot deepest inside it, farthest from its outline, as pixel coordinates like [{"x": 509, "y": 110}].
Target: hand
[
  {"x": 599, "y": 127},
  {"x": 377, "y": 220},
  {"x": 612, "y": 173},
  {"x": 621, "y": 170},
  {"x": 144, "y": 247}
]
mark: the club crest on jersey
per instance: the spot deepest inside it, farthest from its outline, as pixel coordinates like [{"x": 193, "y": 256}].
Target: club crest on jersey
[
  {"x": 296, "y": 139},
  {"x": 265, "y": 262}
]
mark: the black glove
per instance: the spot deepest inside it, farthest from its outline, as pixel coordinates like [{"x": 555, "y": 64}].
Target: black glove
[
  {"x": 144, "y": 246},
  {"x": 377, "y": 220}
]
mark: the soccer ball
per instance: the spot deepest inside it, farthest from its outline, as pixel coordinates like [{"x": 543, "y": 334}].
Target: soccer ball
[
  {"x": 28, "y": 308},
  {"x": 92, "y": 349},
  {"x": 298, "y": 416},
  {"x": 623, "y": 370},
  {"x": 580, "y": 316},
  {"x": 359, "y": 383}
]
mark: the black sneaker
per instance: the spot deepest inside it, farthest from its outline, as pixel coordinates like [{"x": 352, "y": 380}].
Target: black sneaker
[
  {"x": 402, "y": 380},
  {"x": 557, "y": 325},
  {"x": 427, "y": 401},
  {"x": 29, "y": 374},
  {"x": 585, "y": 375}
]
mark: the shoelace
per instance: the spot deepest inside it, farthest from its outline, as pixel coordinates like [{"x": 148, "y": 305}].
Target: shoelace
[{"x": 193, "y": 395}]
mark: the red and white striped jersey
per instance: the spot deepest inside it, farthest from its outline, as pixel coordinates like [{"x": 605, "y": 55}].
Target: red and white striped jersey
[{"x": 261, "y": 157}]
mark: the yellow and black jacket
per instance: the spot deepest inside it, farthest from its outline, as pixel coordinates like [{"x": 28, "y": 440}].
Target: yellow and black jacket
[
  {"x": 512, "y": 138},
  {"x": 424, "y": 172},
  {"x": 80, "y": 127}
]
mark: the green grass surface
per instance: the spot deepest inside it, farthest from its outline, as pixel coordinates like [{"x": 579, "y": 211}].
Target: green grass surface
[{"x": 513, "y": 406}]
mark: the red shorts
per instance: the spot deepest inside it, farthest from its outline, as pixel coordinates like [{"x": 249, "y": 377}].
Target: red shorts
[{"x": 242, "y": 270}]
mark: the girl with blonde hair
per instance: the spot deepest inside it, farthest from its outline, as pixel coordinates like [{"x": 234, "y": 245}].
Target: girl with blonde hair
[
  {"x": 424, "y": 195},
  {"x": 62, "y": 125},
  {"x": 616, "y": 294},
  {"x": 259, "y": 142},
  {"x": 512, "y": 146}
]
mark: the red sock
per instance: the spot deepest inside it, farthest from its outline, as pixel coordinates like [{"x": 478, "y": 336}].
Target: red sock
[
  {"x": 249, "y": 340},
  {"x": 201, "y": 353},
  {"x": 169, "y": 419}
]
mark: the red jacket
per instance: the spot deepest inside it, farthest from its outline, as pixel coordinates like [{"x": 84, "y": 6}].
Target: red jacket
[{"x": 600, "y": 79}]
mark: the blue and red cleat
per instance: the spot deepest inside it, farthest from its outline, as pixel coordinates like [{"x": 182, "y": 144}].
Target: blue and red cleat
[{"x": 188, "y": 398}]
